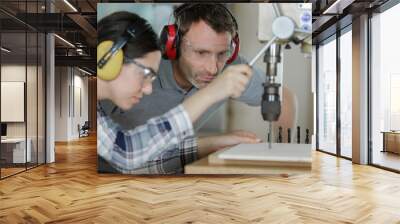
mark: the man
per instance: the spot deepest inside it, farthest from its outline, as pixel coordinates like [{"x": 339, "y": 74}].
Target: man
[{"x": 205, "y": 32}]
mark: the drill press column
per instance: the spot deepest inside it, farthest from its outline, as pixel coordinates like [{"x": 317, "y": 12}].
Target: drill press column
[{"x": 271, "y": 104}]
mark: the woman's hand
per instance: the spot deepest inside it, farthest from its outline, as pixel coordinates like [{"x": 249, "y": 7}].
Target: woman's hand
[{"x": 211, "y": 144}]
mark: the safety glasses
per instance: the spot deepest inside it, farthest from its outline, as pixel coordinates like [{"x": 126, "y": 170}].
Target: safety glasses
[
  {"x": 204, "y": 53},
  {"x": 149, "y": 74}
]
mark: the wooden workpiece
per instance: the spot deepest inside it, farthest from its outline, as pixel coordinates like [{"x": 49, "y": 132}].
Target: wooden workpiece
[{"x": 281, "y": 159}]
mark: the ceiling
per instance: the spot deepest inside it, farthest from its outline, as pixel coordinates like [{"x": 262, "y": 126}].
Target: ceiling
[
  {"x": 72, "y": 20},
  {"x": 332, "y": 15}
]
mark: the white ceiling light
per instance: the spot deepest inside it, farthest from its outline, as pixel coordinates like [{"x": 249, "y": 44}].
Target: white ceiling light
[
  {"x": 331, "y": 7},
  {"x": 86, "y": 72},
  {"x": 70, "y": 5},
  {"x": 338, "y": 6},
  {"x": 5, "y": 50},
  {"x": 65, "y": 41},
  {"x": 80, "y": 51}
]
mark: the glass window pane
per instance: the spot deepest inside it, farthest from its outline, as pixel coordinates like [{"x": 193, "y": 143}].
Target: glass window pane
[
  {"x": 385, "y": 89},
  {"x": 327, "y": 97},
  {"x": 41, "y": 98},
  {"x": 31, "y": 97},
  {"x": 13, "y": 87},
  {"x": 23, "y": 84},
  {"x": 346, "y": 94}
]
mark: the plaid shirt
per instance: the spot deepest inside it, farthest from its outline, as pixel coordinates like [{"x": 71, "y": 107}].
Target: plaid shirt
[{"x": 164, "y": 145}]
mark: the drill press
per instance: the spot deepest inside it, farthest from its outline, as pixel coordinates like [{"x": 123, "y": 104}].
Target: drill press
[{"x": 296, "y": 27}]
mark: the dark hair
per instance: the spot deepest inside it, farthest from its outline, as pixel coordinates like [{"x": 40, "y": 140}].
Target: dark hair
[
  {"x": 215, "y": 15},
  {"x": 115, "y": 25}
]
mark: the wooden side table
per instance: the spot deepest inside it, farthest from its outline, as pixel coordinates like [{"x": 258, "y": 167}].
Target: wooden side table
[{"x": 391, "y": 141}]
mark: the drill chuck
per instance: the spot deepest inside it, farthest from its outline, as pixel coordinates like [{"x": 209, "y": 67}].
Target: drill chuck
[{"x": 271, "y": 104}]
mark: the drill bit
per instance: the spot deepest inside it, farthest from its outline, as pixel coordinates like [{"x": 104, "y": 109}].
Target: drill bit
[{"x": 270, "y": 129}]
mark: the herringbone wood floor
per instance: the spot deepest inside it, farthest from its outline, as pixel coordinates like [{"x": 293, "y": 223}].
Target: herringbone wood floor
[{"x": 71, "y": 191}]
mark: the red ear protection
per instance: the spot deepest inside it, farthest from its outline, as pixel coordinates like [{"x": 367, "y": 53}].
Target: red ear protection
[
  {"x": 169, "y": 42},
  {"x": 236, "y": 48},
  {"x": 170, "y": 37}
]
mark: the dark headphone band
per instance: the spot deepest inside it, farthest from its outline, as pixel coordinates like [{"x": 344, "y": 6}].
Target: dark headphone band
[
  {"x": 129, "y": 33},
  {"x": 184, "y": 7}
]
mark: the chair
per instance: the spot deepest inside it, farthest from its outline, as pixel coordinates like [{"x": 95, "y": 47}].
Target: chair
[{"x": 84, "y": 130}]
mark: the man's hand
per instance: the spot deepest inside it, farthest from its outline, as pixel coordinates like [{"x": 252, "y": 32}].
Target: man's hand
[
  {"x": 231, "y": 83},
  {"x": 211, "y": 144}
]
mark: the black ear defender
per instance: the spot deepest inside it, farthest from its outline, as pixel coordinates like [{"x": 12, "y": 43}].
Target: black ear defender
[
  {"x": 110, "y": 55},
  {"x": 170, "y": 36}
]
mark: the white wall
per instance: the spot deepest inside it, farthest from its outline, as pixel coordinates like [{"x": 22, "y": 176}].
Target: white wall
[
  {"x": 69, "y": 85},
  {"x": 80, "y": 96},
  {"x": 314, "y": 93},
  {"x": 12, "y": 101},
  {"x": 61, "y": 103},
  {"x": 157, "y": 14}
]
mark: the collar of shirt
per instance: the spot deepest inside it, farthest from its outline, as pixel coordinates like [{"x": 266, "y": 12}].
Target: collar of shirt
[
  {"x": 167, "y": 81},
  {"x": 100, "y": 109}
]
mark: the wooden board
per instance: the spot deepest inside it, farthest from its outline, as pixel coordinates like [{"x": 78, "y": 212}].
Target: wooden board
[
  {"x": 215, "y": 160},
  {"x": 279, "y": 152},
  {"x": 202, "y": 166},
  {"x": 281, "y": 159}
]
